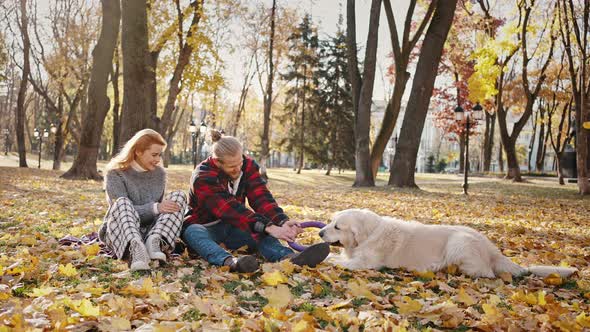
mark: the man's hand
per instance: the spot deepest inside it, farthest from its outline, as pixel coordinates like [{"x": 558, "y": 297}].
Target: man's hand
[
  {"x": 287, "y": 233},
  {"x": 295, "y": 225},
  {"x": 168, "y": 206}
]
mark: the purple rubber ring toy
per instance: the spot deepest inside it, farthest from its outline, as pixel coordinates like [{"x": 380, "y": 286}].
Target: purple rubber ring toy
[{"x": 305, "y": 224}]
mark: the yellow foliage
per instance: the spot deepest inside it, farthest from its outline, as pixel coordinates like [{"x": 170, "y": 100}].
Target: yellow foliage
[
  {"x": 358, "y": 288},
  {"x": 274, "y": 278},
  {"x": 553, "y": 279},
  {"x": 68, "y": 270},
  {"x": 91, "y": 250},
  {"x": 42, "y": 291},
  {"x": 407, "y": 305},
  {"x": 142, "y": 287},
  {"x": 583, "y": 320},
  {"x": 278, "y": 297},
  {"x": 465, "y": 298}
]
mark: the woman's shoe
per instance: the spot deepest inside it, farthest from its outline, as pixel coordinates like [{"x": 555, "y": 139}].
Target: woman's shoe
[{"x": 139, "y": 256}]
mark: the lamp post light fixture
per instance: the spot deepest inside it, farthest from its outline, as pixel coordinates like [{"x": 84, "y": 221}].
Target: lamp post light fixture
[
  {"x": 461, "y": 115},
  {"x": 39, "y": 135}
]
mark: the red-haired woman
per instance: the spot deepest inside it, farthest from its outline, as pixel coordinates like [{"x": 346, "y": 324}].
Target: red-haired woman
[{"x": 139, "y": 219}]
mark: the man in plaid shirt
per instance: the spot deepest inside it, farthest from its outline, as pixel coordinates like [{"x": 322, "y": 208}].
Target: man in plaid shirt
[{"x": 218, "y": 214}]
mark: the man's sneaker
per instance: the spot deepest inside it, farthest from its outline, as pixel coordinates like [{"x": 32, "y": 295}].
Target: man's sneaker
[
  {"x": 312, "y": 255},
  {"x": 244, "y": 264},
  {"x": 153, "y": 247},
  {"x": 139, "y": 256}
]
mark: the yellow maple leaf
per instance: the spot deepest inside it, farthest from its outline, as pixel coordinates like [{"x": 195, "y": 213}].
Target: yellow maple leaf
[
  {"x": 553, "y": 279},
  {"x": 275, "y": 313},
  {"x": 465, "y": 298},
  {"x": 340, "y": 305},
  {"x": 84, "y": 307},
  {"x": 301, "y": 326},
  {"x": 583, "y": 320},
  {"x": 425, "y": 274},
  {"x": 541, "y": 297},
  {"x": 321, "y": 313},
  {"x": 142, "y": 287},
  {"x": 278, "y": 297},
  {"x": 407, "y": 305},
  {"x": 521, "y": 296},
  {"x": 583, "y": 284},
  {"x": 67, "y": 270},
  {"x": 28, "y": 240},
  {"x": 492, "y": 314},
  {"x": 359, "y": 289},
  {"x": 287, "y": 266},
  {"x": 42, "y": 291},
  {"x": 274, "y": 278},
  {"x": 114, "y": 324},
  {"x": 91, "y": 250}
]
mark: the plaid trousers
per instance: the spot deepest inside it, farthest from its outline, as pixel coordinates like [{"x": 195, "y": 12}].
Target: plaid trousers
[{"x": 123, "y": 224}]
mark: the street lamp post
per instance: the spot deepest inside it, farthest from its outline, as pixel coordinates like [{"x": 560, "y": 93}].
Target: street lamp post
[
  {"x": 460, "y": 115},
  {"x": 193, "y": 130},
  {"x": 6, "y": 136},
  {"x": 39, "y": 135},
  {"x": 201, "y": 135}
]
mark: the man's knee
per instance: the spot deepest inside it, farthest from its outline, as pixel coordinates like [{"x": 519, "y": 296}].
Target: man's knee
[{"x": 195, "y": 230}]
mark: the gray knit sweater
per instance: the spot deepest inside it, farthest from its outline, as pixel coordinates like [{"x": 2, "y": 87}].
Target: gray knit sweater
[{"x": 142, "y": 188}]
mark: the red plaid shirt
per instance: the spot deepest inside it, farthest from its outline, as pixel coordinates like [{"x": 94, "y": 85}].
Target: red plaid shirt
[{"x": 211, "y": 200}]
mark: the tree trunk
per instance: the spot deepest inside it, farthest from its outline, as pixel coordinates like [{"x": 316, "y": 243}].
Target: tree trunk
[
  {"x": 559, "y": 170},
  {"x": 84, "y": 166},
  {"x": 302, "y": 133},
  {"x": 532, "y": 144},
  {"x": 20, "y": 102},
  {"x": 116, "y": 103},
  {"x": 364, "y": 175},
  {"x": 183, "y": 60},
  {"x": 489, "y": 141},
  {"x": 501, "y": 157},
  {"x": 404, "y": 161},
  {"x": 582, "y": 141},
  {"x": 59, "y": 135},
  {"x": 268, "y": 96},
  {"x": 138, "y": 111},
  {"x": 540, "y": 157},
  {"x": 513, "y": 167},
  {"x": 389, "y": 120}
]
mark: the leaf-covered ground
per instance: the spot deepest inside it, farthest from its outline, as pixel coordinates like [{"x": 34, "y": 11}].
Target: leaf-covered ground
[{"x": 46, "y": 286}]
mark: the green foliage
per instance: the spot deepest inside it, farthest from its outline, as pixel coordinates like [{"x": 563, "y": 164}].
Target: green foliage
[
  {"x": 441, "y": 165},
  {"x": 318, "y": 74},
  {"x": 430, "y": 164}
]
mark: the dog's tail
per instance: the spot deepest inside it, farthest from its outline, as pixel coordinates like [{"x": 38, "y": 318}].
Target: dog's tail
[
  {"x": 544, "y": 270},
  {"x": 504, "y": 264}
]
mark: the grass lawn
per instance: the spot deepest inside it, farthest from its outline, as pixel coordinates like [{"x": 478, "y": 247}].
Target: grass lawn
[{"x": 47, "y": 286}]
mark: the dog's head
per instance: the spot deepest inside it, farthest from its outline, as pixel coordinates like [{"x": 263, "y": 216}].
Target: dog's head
[{"x": 350, "y": 227}]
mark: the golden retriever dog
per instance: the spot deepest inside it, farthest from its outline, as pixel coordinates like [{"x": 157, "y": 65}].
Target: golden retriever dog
[{"x": 371, "y": 241}]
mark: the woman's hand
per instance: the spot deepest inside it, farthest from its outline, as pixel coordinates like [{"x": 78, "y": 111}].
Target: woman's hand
[
  {"x": 287, "y": 233},
  {"x": 168, "y": 206}
]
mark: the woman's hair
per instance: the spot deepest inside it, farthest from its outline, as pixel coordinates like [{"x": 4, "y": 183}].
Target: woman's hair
[
  {"x": 141, "y": 141},
  {"x": 224, "y": 146}
]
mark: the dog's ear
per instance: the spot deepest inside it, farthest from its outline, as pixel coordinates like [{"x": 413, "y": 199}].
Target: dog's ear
[{"x": 359, "y": 233}]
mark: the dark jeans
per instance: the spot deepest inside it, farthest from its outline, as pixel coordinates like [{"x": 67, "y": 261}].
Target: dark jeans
[{"x": 205, "y": 241}]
